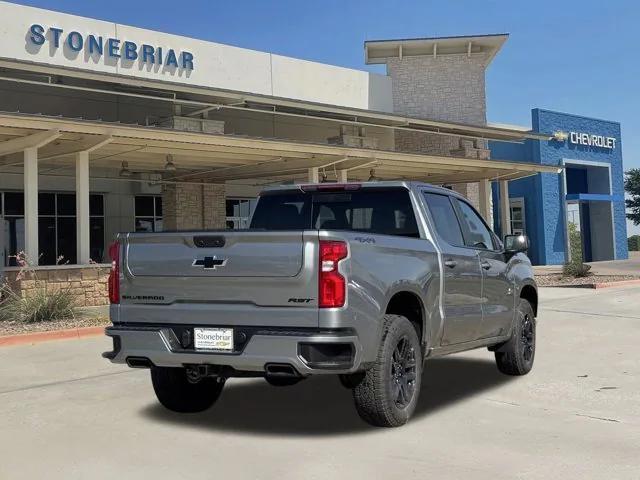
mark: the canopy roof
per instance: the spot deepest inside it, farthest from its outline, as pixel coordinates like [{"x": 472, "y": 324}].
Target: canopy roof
[{"x": 220, "y": 158}]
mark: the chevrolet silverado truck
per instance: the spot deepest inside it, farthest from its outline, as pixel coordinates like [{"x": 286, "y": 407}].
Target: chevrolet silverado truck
[{"x": 362, "y": 281}]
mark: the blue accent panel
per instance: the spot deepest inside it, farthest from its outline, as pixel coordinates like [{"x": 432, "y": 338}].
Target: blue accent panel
[
  {"x": 543, "y": 194},
  {"x": 553, "y": 153},
  {"x": 594, "y": 197}
]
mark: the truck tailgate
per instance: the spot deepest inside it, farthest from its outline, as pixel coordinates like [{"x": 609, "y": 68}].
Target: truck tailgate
[{"x": 221, "y": 277}]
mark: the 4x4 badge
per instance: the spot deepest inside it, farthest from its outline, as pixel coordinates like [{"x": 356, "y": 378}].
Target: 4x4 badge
[{"x": 209, "y": 263}]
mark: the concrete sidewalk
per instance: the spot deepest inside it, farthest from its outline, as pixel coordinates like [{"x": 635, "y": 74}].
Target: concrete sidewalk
[{"x": 68, "y": 414}]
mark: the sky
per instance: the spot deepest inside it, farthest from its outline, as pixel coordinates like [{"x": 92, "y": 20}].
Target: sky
[{"x": 581, "y": 57}]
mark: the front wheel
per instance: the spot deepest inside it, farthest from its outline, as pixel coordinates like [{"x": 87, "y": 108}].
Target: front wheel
[
  {"x": 176, "y": 393},
  {"x": 388, "y": 393},
  {"x": 516, "y": 356}
]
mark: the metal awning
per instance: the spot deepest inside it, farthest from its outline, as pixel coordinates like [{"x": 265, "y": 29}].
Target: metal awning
[
  {"x": 221, "y": 158},
  {"x": 196, "y": 100}
]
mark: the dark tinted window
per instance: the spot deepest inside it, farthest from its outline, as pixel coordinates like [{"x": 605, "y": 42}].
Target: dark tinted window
[
  {"x": 13, "y": 203},
  {"x": 66, "y": 204},
  {"x": 144, "y": 206},
  {"x": 444, "y": 217},
  {"x": 96, "y": 205},
  {"x": 383, "y": 211},
  {"x": 476, "y": 232}
]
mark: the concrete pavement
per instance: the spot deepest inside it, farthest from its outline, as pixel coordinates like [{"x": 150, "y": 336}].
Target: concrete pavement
[{"x": 66, "y": 413}]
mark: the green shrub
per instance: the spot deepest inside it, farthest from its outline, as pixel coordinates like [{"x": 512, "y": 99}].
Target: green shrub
[
  {"x": 36, "y": 306},
  {"x": 576, "y": 269},
  {"x": 634, "y": 243}
]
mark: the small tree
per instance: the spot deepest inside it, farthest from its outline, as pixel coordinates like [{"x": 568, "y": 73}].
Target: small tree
[
  {"x": 634, "y": 243},
  {"x": 632, "y": 187}
]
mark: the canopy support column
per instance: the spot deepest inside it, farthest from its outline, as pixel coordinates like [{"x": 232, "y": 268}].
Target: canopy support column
[
  {"x": 82, "y": 208},
  {"x": 505, "y": 208}
]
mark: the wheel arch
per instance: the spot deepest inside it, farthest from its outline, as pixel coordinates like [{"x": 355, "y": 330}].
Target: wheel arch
[
  {"x": 410, "y": 305},
  {"x": 530, "y": 293}
]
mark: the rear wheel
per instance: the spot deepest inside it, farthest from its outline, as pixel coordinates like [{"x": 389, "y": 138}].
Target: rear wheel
[
  {"x": 177, "y": 393},
  {"x": 388, "y": 393},
  {"x": 516, "y": 356}
]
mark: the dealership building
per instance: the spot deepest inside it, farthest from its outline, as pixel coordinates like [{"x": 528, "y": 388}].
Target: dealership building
[{"x": 108, "y": 128}]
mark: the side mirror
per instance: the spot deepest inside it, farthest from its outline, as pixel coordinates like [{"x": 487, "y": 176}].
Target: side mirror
[{"x": 516, "y": 243}]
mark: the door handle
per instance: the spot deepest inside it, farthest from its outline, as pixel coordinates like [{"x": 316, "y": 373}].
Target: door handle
[
  {"x": 485, "y": 265},
  {"x": 451, "y": 263}
]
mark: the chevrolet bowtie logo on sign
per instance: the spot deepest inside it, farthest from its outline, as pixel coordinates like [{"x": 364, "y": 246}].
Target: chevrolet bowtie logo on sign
[{"x": 209, "y": 263}]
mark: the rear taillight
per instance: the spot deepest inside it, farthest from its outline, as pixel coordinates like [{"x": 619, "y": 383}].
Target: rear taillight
[
  {"x": 114, "y": 274},
  {"x": 332, "y": 285}
]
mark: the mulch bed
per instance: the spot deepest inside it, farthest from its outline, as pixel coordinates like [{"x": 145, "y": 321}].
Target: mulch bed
[
  {"x": 557, "y": 280},
  {"x": 16, "y": 328}
]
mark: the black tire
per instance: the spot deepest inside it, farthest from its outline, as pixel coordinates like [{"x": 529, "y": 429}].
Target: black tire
[
  {"x": 281, "y": 381},
  {"x": 516, "y": 356},
  {"x": 388, "y": 393},
  {"x": 176, "y": 393}
]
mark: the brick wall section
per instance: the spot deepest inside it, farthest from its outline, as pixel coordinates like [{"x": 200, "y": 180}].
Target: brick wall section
[
  {"x": 88, "y": 285},
  {"x": 445, "y": 87},
  {"x": 193, "y": 206}
]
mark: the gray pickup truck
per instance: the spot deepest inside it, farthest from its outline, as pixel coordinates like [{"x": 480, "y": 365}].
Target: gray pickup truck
[{"x": 363, "y": 281}]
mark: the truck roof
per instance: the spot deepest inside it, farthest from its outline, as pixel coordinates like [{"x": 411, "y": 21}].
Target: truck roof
[{"x": 377, "y": 184}]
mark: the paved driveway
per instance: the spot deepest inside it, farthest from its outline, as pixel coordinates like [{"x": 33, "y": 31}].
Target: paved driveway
[{"x": 65, "y": 413}]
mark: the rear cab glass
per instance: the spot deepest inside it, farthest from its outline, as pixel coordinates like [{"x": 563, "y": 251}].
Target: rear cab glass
[{"x": 386, "y": 211}]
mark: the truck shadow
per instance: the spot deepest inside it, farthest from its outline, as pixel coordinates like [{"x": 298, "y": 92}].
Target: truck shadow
[{"x": 321, "y": 406}]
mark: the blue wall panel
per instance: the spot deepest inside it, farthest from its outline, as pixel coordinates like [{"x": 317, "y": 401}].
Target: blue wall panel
[{"x": 544, "y": 214}]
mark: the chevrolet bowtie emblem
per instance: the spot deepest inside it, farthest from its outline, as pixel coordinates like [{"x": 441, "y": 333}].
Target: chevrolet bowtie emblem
[{"x": 209, "y": 263}]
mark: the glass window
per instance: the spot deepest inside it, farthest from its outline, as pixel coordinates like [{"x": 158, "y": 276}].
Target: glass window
[
  {"x": 66, "y": 240},
  {"x": 444, "y": 217},
  {"x": 239, "y": 212},
  {"x": 13, "y": 204},
  {"x": 56, "y": 227},
  {"x": 13, "y": 239},
  {"x": 66, "y": 203},
  {"x": 96, "y": 205},
  {"x": 148, "y": 213},
  {"x": 145, "y": 206},
  {"x": 476, "y": 232},
  {"x": 46, "y": 204},
  {"x": 385, "y": 211}
]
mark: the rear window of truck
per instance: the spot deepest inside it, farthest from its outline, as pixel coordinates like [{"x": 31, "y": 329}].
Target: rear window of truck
[{"x": 386, "y": 211}]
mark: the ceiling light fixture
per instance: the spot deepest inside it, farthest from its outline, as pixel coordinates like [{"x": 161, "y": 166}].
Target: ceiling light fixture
[
  {"x": 124, "y": 171},
  {"x": 170, "y": 166}
]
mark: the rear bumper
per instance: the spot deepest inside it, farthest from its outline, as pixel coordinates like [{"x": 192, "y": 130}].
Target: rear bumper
[{"x": 308, "y": 351}]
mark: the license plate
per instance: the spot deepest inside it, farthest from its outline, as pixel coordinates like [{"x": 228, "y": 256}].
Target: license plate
[{"x": 219, "y": 339}]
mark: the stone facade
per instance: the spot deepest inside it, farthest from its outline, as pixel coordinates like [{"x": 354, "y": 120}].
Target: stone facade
[
  {"x": 193, "y": 206},
  {"x": 87, "y": 284},
  {"x": 445, "y": 87}
]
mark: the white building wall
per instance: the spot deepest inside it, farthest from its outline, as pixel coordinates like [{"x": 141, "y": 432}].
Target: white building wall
[{"x": 215, "y": 65}]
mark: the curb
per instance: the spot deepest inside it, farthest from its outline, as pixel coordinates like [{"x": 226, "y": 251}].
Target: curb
[
  {"x": 594, "y": 286},
  {"x": 39, "y": 337},
  {"x": 621, "y": 283}
]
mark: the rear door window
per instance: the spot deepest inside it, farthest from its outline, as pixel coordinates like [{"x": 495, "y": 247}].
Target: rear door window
[
  {"x": 445, "y": 219},
  {"x": 476, "y": 233}
]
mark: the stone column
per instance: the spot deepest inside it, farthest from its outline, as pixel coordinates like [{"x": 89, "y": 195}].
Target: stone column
[
  {"x": 193, "y": 206},
  {"x": 441, "y": 87}
]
